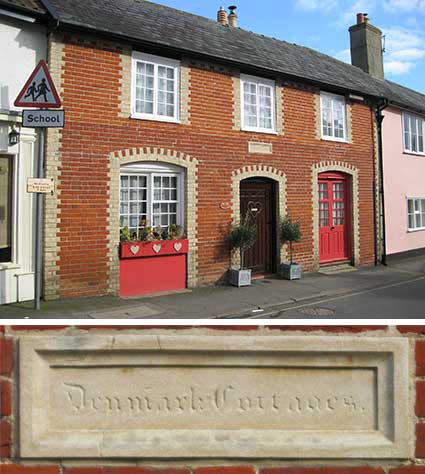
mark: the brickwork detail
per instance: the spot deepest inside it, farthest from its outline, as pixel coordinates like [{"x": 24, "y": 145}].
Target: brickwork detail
[
  {"x": 53, "y": 170},
  {"x": 262, "y": 171},
  {"x": 237, "y": 119},
  {"x": 184, "y": 92},
  {"x": 324, "y": 167},
  {"x": 123, "y": 157},
  {"x": 125, "y": 82}
]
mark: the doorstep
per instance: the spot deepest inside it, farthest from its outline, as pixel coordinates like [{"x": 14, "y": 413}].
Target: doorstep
[
  {"x": 262, "y": 276},
  {"x": 335, "y": 268}
]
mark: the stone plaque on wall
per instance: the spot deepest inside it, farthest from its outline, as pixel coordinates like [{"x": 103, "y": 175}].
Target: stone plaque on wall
[
  {"x": 203, "y": 396},
  {"x": 260, "y": 148}
]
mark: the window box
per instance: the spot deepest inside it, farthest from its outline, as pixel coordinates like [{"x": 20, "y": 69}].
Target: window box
[{"x": 152, "y": 267}]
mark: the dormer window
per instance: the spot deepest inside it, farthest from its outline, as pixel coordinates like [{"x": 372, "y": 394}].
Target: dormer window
[
  {"x": 155, "y": 88},
  {"x": 258, "y": 104}
]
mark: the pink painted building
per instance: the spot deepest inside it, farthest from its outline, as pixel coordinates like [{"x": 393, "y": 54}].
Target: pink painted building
[
  {"x": 404, "y": 180},
  {"x": 401, "y": 166}
]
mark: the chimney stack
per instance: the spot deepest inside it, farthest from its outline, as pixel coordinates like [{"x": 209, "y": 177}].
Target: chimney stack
[
  {"x": 222, "y": 16},
  {"x": 366, "y": 47},
  {"x": 233, "y": 18}
]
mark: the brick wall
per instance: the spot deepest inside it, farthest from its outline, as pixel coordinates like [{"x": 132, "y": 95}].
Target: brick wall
[
  {"x": 94, "y": 85},
  {"x": 9, "y": 434}
]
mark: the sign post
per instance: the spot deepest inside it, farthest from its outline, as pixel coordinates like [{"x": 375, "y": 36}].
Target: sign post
[{"x": 40, "y": 91}]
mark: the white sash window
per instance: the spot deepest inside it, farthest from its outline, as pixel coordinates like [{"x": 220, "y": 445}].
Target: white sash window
[
  {"x": 333, "y": 117},
  {"x": 258, "y": 104},
  {"x": 155, "y": 88}
]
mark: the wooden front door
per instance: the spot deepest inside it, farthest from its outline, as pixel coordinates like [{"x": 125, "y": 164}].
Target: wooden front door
[
  {"x": 257, "y": 198},
  {"x": 334, "y": 218}
]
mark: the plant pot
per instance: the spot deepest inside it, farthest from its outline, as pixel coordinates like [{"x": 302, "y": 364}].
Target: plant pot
[
  {"x": 239, "y": 277},
  {"x": 290, "y": 271}
]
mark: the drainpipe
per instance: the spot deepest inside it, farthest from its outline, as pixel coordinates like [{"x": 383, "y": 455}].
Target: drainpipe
[{"x": 381, "y": 106}]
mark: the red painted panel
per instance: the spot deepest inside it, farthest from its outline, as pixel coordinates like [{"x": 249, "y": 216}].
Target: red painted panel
[
  {"x": 141, "y": 276},
  {"x": 151, "y": 267}
]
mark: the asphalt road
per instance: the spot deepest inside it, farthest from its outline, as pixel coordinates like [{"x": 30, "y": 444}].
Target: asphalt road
[{"x": 399, "y": 300}]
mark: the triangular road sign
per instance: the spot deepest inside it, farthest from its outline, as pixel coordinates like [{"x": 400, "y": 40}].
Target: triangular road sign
[{"x": 39, "y": 91}]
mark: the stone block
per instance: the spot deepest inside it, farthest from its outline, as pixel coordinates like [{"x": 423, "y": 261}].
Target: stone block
[{"x": 140, "y": 396}]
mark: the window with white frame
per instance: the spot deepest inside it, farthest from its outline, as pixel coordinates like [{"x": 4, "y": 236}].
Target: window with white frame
[
  {"x": 6, "y": 218},
  {"x": 413, "y": 131},
  {"x": 333, "y": 113},
  {"x": 150, "y": 194},
  {"x": 416, "y": 213},
  {"x": 155, "y": 88},
  {"x": 258, "y": 104}
]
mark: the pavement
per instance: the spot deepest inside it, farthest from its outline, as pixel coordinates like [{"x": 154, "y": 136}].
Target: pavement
[{"x": 396, "y": 290}]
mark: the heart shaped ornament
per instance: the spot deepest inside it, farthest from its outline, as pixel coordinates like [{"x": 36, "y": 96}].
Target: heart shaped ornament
[
  {"x": 156, "y": 248},
  {"x": 134, "y": 249},
  {"x": 178, "y": 246}
]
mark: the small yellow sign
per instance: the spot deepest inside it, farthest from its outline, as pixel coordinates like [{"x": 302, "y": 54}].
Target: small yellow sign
[{"x": 40, "y": 185}]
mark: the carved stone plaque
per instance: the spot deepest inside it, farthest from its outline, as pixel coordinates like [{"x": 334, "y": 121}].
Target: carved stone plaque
[
  {"x": 204, "y": 396},
  {"x": 260, "y": 148}
]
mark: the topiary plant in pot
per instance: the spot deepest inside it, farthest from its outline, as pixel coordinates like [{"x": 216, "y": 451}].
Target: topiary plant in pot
[
  {"x": 290, "y": 232},
  {"x": 241, "y": 237}
]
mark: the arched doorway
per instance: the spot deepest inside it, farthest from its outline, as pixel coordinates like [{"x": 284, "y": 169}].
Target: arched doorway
[
  {"x": 258, "y": 200},
  {"x": 335, "y": 227}
]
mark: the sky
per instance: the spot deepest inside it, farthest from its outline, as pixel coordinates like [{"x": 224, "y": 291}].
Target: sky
[{"x": 323, "y": 25}]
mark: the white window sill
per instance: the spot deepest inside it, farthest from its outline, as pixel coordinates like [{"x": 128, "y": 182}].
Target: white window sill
[
  {"x": 253, "y": 130},
  {"x": 9, "y": 266},
  {"x": 413, "y": 153},
  {"x": 420, "y": 229},
  {"x": 337, "y": 140},
  {"x": 155, "y": 119}
]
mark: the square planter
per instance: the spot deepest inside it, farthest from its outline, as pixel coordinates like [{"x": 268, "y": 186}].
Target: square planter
[
  {"x": 153, "y": 267},
  {"x": 290, "y": 271},
  {"x": 239, "y": 277}
]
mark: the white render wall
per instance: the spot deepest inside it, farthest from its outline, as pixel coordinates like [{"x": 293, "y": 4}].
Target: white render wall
[{"x": 23, "y": 45}]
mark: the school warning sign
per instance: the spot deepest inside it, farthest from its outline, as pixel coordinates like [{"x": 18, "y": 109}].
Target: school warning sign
[{"x": 39, "y": 91}]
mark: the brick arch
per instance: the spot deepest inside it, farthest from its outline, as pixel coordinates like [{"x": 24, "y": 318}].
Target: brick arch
[
  {"x": 159, "y": 155},
  {"x": 353, "y": 172},
  {"x": 261, "y": 171}
]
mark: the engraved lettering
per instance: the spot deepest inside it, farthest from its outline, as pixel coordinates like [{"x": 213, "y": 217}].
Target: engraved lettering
[
  {"x": 195, "y": 400},
  {"x": 76, "y": 395}
]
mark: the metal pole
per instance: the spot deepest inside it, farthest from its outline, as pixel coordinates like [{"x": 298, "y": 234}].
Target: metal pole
[{"x": 39, "y": 223}]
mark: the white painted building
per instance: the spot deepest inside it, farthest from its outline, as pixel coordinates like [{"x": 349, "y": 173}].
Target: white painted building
[{"x": 23, "y": 44}]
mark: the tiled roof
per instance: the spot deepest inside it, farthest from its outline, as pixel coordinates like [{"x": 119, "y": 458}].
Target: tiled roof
[
  {"x": 33, "y": 6},
  {"x": 147, "y": 22}
]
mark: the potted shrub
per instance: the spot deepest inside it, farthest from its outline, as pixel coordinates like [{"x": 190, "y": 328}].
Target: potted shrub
[
  {"x": 241, "y": 237},
  {"x": 290, "y": 232}
]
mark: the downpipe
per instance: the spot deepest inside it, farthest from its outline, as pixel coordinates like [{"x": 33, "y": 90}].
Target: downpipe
[{"x": 380, "y": 234}]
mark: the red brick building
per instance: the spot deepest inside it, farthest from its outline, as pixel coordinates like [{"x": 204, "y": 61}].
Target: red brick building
[{"x": 175, "y": 118}]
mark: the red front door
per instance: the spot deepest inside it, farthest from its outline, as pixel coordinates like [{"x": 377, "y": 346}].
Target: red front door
[{"x": 334, "y": 218}]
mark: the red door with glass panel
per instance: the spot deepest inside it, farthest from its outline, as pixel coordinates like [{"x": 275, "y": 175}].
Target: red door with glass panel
[{"x": 334, "y": 218}]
